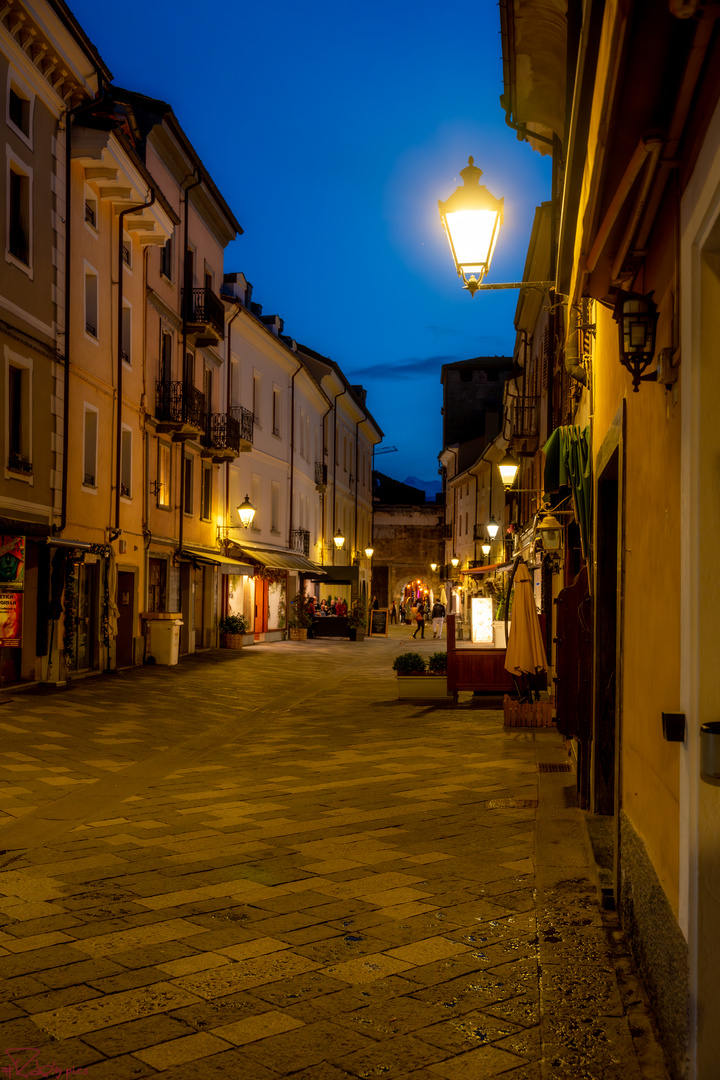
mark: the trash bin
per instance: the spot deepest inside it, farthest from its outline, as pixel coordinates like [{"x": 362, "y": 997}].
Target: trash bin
[{"x": 164, "y": 643}]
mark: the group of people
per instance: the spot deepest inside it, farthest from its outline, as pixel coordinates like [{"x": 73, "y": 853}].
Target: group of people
[
  {"x": 326, "y": 607},
  {"x": 419, "y": 610}
]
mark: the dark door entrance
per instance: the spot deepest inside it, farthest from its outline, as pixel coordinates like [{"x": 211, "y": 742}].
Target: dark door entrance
[
  {"x": 126, "y": 619},
  {"x": 261, "y": 606}
]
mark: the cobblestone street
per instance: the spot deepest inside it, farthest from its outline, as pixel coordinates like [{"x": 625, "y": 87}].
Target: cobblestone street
[{"x": 262, "y": 864}]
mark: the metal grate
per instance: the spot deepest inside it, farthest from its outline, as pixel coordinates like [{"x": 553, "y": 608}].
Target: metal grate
[{"x": 544, "y": 766}]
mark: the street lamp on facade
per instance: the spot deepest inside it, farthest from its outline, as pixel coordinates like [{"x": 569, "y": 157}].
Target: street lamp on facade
[
  {"x": 369, "y": 552},
  {"x": 508, "y": 470},
  {"x": 246, "y": 513},
  {"x": 455, "y": 562},
  {"x": 492, "y": 528},
  {"x": 339, "y": 540}
]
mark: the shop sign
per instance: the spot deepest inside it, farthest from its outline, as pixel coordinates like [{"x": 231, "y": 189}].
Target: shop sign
[
  {"x": 12, "y": 562},
  {"x": 11, "y": 619}
]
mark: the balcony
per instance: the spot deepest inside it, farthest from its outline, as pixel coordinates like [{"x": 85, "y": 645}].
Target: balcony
[
  {"x": 320, "y": 476},
  {"x": 179, "y": 410},
  {"x": 522, "y": 415},
  {"x": 246, "y": 420},
  {"x": 204, "y": 316},
  {"x": 300, "y": 541},
  {"x": 221, "y": 441}
]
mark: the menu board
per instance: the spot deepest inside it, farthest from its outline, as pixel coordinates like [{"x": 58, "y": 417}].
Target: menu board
[{"x": 379, "y": 623}]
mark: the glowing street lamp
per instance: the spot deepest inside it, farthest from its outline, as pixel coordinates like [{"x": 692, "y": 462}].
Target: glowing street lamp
[
  {"x": 485, "y": 548},
  {"x": 492, "y": 528},
  {"x": 471, "y": 218},
  {"x": 246, "y": 512},
  {"x": 508, "y": 470},
  {"x": 455, "y": 562},
  {"x": 338, "y": 539},
  {"x": 369, "y": 552},
  {"x": 433, "y": 566}
]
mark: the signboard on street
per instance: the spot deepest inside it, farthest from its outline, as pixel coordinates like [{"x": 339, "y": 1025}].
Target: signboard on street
[
  {"x": 10, "y": 618},
  {"x": 379, "y": 622}
]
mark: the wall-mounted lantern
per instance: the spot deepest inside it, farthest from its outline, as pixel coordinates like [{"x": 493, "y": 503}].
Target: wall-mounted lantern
[{"x": 637, "y": 318}]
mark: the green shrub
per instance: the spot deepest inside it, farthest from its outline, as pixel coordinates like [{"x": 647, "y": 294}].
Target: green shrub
[
  {"x": 299, "y": 618},
  {"x": 437, "y": 663},
  {"x": 234, "y": 624},
  {"x": 409, "y": 663}
]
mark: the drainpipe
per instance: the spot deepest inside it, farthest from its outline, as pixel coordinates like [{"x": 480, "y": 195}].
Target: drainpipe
[
  {"x": 239, "y": 307},
  {"x": 357, "y": 432},
  {"x": 292, "y": 449},
  {"x": 572, "y": 357},
  {"x": 118, "y": 420},
  {"x": 335, "y": 450},
  {"x": 198, "y": 180}
]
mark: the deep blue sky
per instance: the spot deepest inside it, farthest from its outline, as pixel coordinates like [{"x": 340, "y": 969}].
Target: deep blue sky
[{"x": 332, "y": 128}]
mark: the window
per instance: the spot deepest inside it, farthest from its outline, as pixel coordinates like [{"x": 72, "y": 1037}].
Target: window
[
  {"x": 19, "y": 225},
  {"x": 163, "y": 475},
  {"x": 126, "y": 462},
  {"x": 91, "y": 212},
  {"x": 18, "y": 415},
  {"x": 91, "y": 302},
  {"x": 90, "y": 446},
  {"x": 188, "y": 499},
  {"x": 157, "y": 584},
  {"x": 275, "y": 507},
  {"x": 127, "y": 252},
  {"x": 127, "y": 334},
  {"x": 166, "y": 347},
  {"x": 276, "y": 412},
  {"x": 189, "y": 371},
  {"x": 166, "y": 257},
  {"x": 208, "y": 390},
  {"x": 206, "y": 493},
  {"x": 257, "y": 389},
  {"x": 20, "y": 105}
]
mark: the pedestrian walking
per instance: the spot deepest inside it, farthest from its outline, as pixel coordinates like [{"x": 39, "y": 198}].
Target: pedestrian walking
[
  {"x": 393, "y": 613},
  {"x": 438, "y": 618},
  {"x": 375, "y": 603},
  {"x": 419, "y": 621}
]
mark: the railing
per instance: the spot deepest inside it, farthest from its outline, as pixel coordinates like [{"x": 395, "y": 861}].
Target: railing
[
  {"x": 300, "y": 541},
  {"x": 522, "y": 414},
  {"x": 203, "y": 306},
  {"x": 321, "y": 473},
  {"x": 222, "y": 432},
  {"x": 180, "y": 403},
  {"x": 246, "y": 420}
]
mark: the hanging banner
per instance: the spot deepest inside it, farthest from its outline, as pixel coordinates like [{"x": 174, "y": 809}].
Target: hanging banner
[
  {"x": 10, "y": 619},
  {"x": 12, "y": 562}
]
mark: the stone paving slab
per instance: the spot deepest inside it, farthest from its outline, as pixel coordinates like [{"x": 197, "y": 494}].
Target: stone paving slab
[{"x": 322, "y": 882}]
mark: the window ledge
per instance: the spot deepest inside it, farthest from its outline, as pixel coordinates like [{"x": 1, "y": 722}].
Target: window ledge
[
  {"x": 19, "y": 474},
  {"x": 14, "y": 261}
]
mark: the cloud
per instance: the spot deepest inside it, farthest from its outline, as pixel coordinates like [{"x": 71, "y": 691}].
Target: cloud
[{"x": 411, "y": 366}]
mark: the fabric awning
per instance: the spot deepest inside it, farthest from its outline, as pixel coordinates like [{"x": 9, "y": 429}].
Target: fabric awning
[
  {"x": 277, "y": 559},
  {"x": 214, "y": 558},
  {"x": 476, "y": 570},
  {"x": 568, "y": 465}
]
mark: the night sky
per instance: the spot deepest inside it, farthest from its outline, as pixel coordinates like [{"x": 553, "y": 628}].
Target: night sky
[{"x": 332, "y": 129}]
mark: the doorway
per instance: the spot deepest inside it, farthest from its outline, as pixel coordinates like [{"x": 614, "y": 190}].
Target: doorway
[
  {"x": 124, "y": 642},
  {"x": 86, "y": 618}
]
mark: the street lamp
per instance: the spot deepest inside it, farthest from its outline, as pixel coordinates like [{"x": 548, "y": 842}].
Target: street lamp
[
  {"x": 471, "y": 218},
  {"x": 433, "y": 566},
  {"x": 492, "y": 527},
  {"x": 455, "y": 562},
  {"x": 246, "y": 512},
  {"x": 508, "y": 470},
  {"x": 485, "y": 548},
  {"x": 338, "y": 539},
  {"x": 369, "y": 552},
  {"x": 550, "y": 531},
  {"x": 637, "y": 319}
]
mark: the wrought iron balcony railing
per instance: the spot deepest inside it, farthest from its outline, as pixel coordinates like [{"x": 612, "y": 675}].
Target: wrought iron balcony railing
[
  {"x": 300, "y": 540},
  {"x": 180, "y": 403},
  {"x": 522, "y": 414},
  {"x": 222, "y": 434},
  {"x": 202, "y": 307},
  {"x": 246, "y": 420},
  {"x": 320, "y": 474}
]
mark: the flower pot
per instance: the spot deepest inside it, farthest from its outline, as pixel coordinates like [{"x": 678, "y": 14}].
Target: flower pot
[
  {"x": 231, "y": 641},
  {"x": 297, "y": 633},
  {"x": 422, "y": 686}
]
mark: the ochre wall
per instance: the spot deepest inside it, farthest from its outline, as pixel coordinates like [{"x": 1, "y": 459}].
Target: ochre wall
[{"x": 650, "y": 601}]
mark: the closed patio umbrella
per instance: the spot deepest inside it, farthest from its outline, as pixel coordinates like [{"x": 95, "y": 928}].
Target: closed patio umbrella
[{"x": 525, "y": 649}]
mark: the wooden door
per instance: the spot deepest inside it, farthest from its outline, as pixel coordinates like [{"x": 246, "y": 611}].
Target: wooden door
[
  {"x": 126, "y": 619},
  {"x": 261, "y": 606}
]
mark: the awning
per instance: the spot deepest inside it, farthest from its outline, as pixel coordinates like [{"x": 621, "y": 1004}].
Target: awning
[
  {"x": 212, "y": 558},
  {"x": 276, "y": 559},
  {"x": 477, "y": 570},
  {"x": 337, "y": 575}
]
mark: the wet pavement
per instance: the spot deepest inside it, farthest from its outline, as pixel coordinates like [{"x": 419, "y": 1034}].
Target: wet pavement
[{"x": 262, "y": 864}]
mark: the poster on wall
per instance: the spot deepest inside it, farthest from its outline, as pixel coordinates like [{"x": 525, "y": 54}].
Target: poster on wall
[
  {"x": 10, "y": 619},
  {"x": 12, "y": 562}
]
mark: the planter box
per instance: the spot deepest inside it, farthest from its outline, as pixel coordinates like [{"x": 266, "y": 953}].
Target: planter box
[
  {"x": 297, "y": 633},
  {"x": 528, "y": 714},
  {"x": 231, "y": 641},
  {"x": 422, "y": 686}
]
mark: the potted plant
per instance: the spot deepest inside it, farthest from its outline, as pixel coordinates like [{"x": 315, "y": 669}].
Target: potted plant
[
  {"x": 298, "y": 620},
  {"x": 232, "y": 628},
  {"x": 356, "y": 622},
  {"x": 417, "y": 679}
]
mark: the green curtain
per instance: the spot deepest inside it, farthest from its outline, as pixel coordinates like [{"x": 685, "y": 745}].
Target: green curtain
[{"x": 568, "y": 465}]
